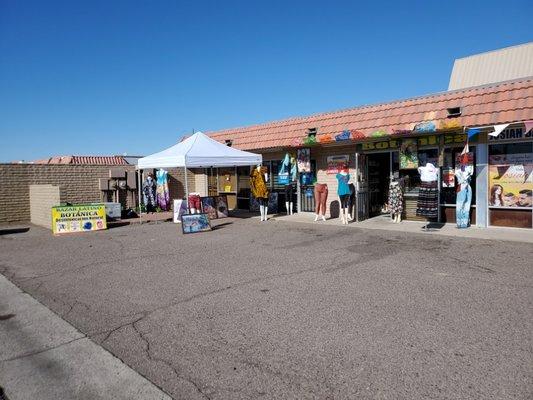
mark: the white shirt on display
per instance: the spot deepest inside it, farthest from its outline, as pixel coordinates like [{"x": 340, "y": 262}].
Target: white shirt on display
[{"x": 428, "y": 173}]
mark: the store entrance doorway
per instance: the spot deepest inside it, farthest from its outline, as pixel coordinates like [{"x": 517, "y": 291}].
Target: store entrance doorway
[{"x": 379, "y": 170}]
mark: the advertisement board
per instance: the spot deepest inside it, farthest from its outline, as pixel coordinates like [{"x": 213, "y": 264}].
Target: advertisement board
[
  {"x": 78, "y": 218},
  {"x": 511, "y": 180},
  {"x": 337, "y": 163}
]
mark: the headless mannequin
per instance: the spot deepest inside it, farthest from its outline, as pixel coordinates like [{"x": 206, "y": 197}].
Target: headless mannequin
[
  {"x": 263, "y": 202},
  {"x": 396, "y": 216},
  {"x": 343, "y": 205},
  {"x": 193, "y": 210},
  {"x": 288, "y": 197}
]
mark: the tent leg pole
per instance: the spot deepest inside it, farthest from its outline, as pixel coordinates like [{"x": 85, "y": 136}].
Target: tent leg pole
[
  {"x": 186, "y": 189},
  {"x": 139, "y": 194}
]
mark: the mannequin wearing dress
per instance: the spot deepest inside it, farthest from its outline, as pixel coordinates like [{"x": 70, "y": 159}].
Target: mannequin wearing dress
[
  {"x": 258, "y": 186},
  {"x": 395, "y": 201}
]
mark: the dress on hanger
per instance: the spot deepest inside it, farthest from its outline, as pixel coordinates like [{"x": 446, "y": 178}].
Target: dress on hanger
[{"x": 163, "y": 198}]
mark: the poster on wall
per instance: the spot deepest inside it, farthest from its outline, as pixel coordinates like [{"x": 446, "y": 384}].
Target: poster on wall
[
  {"x": 78, "y": 218},
  {"x": 448, "y": 177},
  {"x": 304, "y": 160},
  {"x": 337, "y": 163},
  {"x": 409, "y": 154},
  {"x": 180, "y": 208},
  {"x": 194, "y": 223},
  {"x": 209, "y": 207},
  {"x": 511, "y": 180},
  {"x": 222, "y": 206},
  {"x": 272, "y": 203}
]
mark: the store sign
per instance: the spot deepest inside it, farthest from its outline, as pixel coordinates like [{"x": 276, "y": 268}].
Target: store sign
[
  {"x": 78, "y": 218},
  {"x": 431, "y": 140},
  {"x": 337, "y": 163},
  {"x": 511, "y": 180},
  {"x": 512, "y": 134}
]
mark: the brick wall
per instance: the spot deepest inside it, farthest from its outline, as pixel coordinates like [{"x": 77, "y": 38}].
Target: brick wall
[
  {"x": 79, "y": 184},
  {"x": 42, "y": 199}
]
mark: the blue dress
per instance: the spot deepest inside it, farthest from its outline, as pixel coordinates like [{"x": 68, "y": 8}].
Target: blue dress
[{"x": 464, "y": 198}]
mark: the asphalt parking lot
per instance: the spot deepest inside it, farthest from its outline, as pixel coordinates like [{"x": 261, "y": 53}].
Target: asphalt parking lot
[{"x": 280, "y": 311}]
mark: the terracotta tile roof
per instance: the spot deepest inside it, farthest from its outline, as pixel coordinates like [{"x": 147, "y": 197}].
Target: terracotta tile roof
[
  {"x": 84, "y": 160},
  {"x": 492, "y": 104}
]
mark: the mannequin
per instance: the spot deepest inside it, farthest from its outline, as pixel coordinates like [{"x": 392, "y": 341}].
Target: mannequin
[
  {"x": 463, "y": 173},
  {"x": 428, "y": 194},
  {"x": 289, "y": 194},
  {"x": 343, "y": 190},
  {"x": 321, "y": 197},
  {"x": 258, "y": 186},
  {"x": 149, "y": 193},
  {"x": 395, "y": 200},
  {"x": 195, "y": 205},
  {"x": 351, "y": 202}
]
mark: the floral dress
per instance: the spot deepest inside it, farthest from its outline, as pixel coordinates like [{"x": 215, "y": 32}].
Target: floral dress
[{"x": 395, "y": 199}]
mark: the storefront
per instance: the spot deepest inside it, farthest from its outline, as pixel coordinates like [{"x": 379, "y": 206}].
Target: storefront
[{"x": 503, "y": 180}]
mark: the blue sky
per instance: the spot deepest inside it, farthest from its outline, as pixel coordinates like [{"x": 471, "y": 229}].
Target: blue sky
[{"x": 113, "y": 77}]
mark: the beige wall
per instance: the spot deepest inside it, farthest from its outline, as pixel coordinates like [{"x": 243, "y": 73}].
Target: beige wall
[
  {"x": 42, "y": 199},
  {"x": 79, "y": 184}
]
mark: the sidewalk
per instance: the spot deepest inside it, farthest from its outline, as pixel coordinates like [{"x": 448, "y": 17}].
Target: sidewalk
[
  {"x": 384, "y": 223},
  {"x": 44, "y": 357}
]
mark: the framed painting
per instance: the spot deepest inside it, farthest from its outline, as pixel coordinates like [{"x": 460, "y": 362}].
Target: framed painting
[
  {"x": 209, "y": 207},
  {"x": 222, "y": 206},
  {"x": 194, "y": 223}
]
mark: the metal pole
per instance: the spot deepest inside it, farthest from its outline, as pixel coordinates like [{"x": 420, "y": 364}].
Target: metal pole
[
  {"x": 186, "y": 188},
  {"x": 139, "y": 171}
]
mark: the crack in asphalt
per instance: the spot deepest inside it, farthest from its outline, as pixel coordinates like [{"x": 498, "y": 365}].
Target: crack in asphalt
[{"x": 147, "y": 350}]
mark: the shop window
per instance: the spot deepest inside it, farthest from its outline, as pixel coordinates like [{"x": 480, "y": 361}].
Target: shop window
[
  {"x": 447, "y": 179},
  {"x": 227, "y": 181},
  {"x": 511, "y": 175}
]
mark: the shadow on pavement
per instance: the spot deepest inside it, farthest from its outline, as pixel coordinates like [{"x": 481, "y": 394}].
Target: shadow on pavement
[{"x": 10, "y": 231}]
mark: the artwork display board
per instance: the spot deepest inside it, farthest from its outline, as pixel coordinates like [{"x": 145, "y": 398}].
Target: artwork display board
[
  {"x": 221, "y": 203},
  {"x": 180, "y": 208},
  {"x": 272, "y": 203},
  {"x": 209, "y": 207},
  {"x": 194, "y": 223}
]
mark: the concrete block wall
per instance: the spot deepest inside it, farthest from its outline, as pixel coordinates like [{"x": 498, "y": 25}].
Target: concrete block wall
[
  {"x": 42, "y": 199},
  {"x": 79, "y": 182}
]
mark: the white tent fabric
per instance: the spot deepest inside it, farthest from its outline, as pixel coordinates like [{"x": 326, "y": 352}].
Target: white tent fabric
[{"x": 199, "y": 151}]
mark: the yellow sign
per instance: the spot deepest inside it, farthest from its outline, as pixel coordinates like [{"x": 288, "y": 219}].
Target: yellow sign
[
  {"x": 431, "y": 140},
  {"x": 78, "y": 218}
]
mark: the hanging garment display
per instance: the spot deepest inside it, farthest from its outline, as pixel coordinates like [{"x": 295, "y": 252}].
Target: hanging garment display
[
  {"x": 149, "y": 196},
  {"x": 321, "y": 197},
  {"x": 163, "y": 198},
  {"x": 464, "y": 196},
  {"x": 258, "y": 183},
  {"x": 283, "y": 173}
]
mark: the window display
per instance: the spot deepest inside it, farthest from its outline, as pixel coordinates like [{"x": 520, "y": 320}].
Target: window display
[{"x": 511, "y": 175}]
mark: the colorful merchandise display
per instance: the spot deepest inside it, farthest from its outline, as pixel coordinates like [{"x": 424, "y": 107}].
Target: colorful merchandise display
[{"x": 163, "y": 199}]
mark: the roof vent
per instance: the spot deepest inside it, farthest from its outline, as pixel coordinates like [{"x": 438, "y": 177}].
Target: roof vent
[
  {"x": 311, "y": 132},
  {"x": 454, "y": 112},
  {"x": 228, "y": 142}
]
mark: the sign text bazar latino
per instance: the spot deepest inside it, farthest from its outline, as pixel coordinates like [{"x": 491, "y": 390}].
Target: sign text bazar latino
[
  {"x": 432, "y": 140},
  {"x": 78, "y": 218}
]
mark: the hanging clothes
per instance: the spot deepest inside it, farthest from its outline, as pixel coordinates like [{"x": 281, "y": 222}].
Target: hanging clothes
[
  {"x": 149, "y": 196},
  {"x": 163, "y": 198},
  {"x": 464, "y": 197},
  {"x": 395, "y": 198},
  {"x": 258, "y": 183}
]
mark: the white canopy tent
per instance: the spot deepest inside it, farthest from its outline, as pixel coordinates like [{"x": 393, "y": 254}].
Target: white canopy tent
[{"x": 197, "y": 151}]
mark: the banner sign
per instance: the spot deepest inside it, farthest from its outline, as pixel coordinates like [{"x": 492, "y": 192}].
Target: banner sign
[
  {"x": 511, "y": 134},
  {"x": 511, "y": 180},
  {"x": 337, "y": 163},
  {"x": 430, "y": 140},
  {"x": 78, "y": 218},
  {"x": 304, "y": 160}
]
